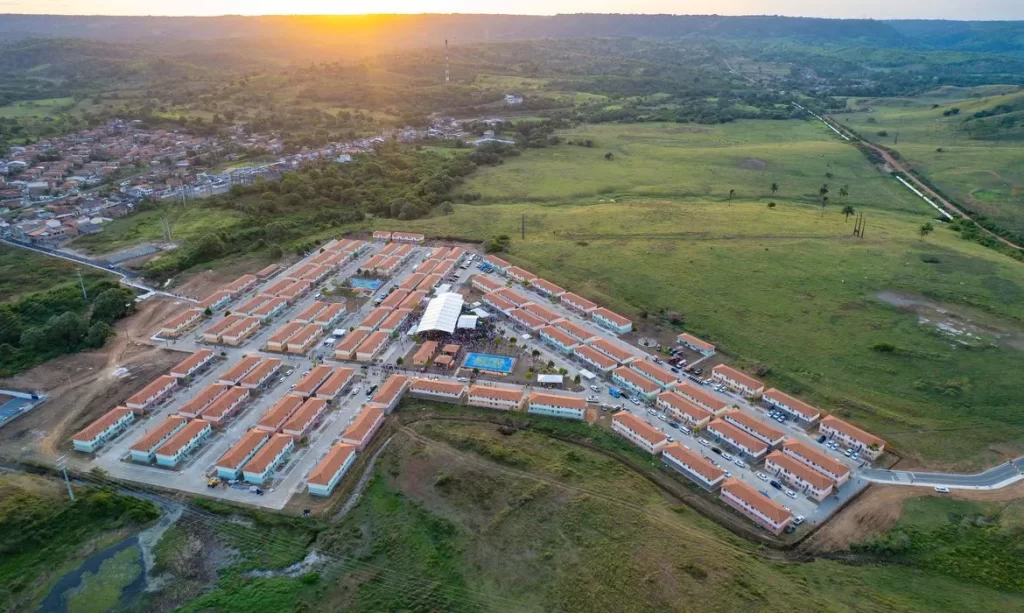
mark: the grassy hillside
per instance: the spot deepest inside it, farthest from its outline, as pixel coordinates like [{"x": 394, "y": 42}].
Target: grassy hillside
[
  {"x": 683, "y": 160},
  {"x": 526, "y": 523},
  {"x": 23, "y": 272},
  {"x": 981, "y": 162},
  {"x": 794, "y": 291}
]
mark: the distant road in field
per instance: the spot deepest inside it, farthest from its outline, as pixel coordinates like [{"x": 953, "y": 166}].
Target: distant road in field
[
  {"x": 899, "y": 167},
  {"x": 125, "y": 276}
]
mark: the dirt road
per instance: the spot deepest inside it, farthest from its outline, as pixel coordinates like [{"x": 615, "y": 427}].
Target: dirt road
[{"x": 900, "y": 167}]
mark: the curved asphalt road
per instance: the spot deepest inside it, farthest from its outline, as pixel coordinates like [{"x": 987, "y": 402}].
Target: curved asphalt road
[{"x": 993, "y": 478}]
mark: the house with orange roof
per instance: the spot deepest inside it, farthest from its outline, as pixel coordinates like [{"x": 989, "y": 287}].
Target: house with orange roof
[
  {"x": 278, "y": 340},
  {"x": 831, "y": 468},
  {"x": 394, "y": 299},
  {"x": 305, "y": 418},
  {"x": 427, "y": 267},
  {"x": 271, "y": 455},
  {"x": 277, "y": 415},
  {"x": 244, "y": 283},
  {"x": 748, "y": 501},
  {"x": 558, "y": 339},
  {"x": 694, "y": 466},
  {"x": 755, "y": 427},
  {"x": 546, "y": 288},
  {"x": 181, "y": 323},
  {"x": 520, "y": 275},
  {"x": 183, "y": 442},
  {"x": 193, "y": 364},
  {"x": 308, "y": 313},
  {"x": 594, "y": 358},
  {"x": 728, "y": 434},
  {"x": 390, "y": 393},
  {"x": 610, "y": 320},
  {"x": 798, "y": 475},
  {"x": 336, "y": 383},
  {"x": 217, "y": 300},
  {"x": 96, "y": 434},
  {"x": 241, "y": 368},
  {"x": 526, "y": 319},
  {"x": 639, "y": 432},
  {"x": 229, "y": 466},
  {"x": 610, "y": 349},
  {"x": 270, "y": 308},
  {"x": 331, "y": 315},
  {"x": 803, "y": 412},
  {"x": 153, "y": 394},
  {"x": 381, "y": 235},
  {"x": 224, "y": 407},
  {"x": 413, "y": 300},
  {"x": 240, "y": 331},
  {"x": 702, "y": 398},
  {"x": 851, "y": 436},
  {"x": 578, "y": 303},
  {"x": 491, "y": 397},
  {"x": 499, "y": 264},
  {"x": 329, "y": 471},
  {"x": 485, "y": 284},
  {"x": 696, "y": 344},
  {"x": 372, "y": 346},
  {"x": 303, "y": 340},
  {"x": 202, "y": 400},
  {"x": 407, "y": 237},
  {"x": 513, "y": 296},
  {"x": 411, "y": 281},
  {"x": 447, "y": 391},
  {"x": 394, "y": 321},
  {"x": 346, "y": 349},
  {"x": 316, "y": 377},
  {"x": 259, "y": 376},
  {"x": 737, "y": 381},
  {"x": 683, "y": 411},
  {"x": 496, "y": 301},
  {"x": 373, "y": 319},
  {"x": 578, "y": 332},
  {"x": 635, "y": 383},
  {"x": 661, "y": 376},
  {"x": 253, "y": 303},
  {"x": 557, "y": 405},
  {"x": 144, "y": 448},
  {"x": 363, "y": 427}
]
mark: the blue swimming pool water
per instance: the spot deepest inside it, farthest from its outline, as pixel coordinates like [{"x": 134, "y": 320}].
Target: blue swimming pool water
[
  {"x": 370, "y": 284},
  {"x": 490, "y": 363}
]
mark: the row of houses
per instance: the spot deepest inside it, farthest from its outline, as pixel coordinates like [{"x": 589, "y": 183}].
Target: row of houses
[
  {"x": 601, "y": 316},
  {"x": 805, "y": 414}
]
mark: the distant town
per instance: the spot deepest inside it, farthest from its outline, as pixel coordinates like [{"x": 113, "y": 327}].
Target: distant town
[{"x": 56, "y": 189}]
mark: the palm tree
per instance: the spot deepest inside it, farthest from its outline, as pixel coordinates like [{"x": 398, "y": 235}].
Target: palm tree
[
  {"x": 848, "y": 210},
  {"x": 732, "y": 193},
  {"x": 823, "y": 190},
  {"x": 774, "y": 188},
  {"x": 844, "y": 191}
]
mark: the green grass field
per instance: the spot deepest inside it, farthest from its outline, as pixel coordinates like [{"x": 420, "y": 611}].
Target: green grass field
[
  {"x": 537, "y": 524},
  {"x": 987, "y": 175},
  {"x": 41, "y": 108},
  {"x": 682, "y": 160},
  {"x": 186, "y": 223},
  {"x": 793, "y": 290},
  {"x": 23, "y": 272}
]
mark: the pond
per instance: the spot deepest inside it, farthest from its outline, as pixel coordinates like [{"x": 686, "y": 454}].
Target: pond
[{"x": 110, "y": 579}]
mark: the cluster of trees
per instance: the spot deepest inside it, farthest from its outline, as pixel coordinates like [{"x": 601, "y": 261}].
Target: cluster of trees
[
  {"x": 43, "y": 325},
  {"x": 396, "y": 181}
]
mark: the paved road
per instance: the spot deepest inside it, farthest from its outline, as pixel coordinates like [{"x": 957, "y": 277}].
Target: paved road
[{"x": 993, "y": 478}]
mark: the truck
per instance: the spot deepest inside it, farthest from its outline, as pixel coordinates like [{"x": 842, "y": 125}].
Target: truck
[{"x": 615, "y": 392}]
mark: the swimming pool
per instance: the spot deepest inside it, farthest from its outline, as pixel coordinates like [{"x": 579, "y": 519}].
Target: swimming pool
[
  {"x": 486, "y": 362},
  {"x": 365, "y": 284}
]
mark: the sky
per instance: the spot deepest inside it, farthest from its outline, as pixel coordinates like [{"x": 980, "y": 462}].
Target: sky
[{"x": 876, "y": 9}]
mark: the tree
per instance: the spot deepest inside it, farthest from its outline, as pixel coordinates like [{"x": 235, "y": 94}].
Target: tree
[
  {"x": 98, "y": 334},
  {"x": 576, "y": 379},
  {"x": 732, "y": 193},
  {"x": 535, "y": 353},
  {"x": 824, "y": 201},
  {"x": 399, "y": 361},
  {"x": 823, "y": 191},
  {"x": 844, "y": 191},
  {"x": 847, "y": 211},
  {"x": 113, "y": 304},
  {"x": 208, "y": 312},
  {"x": 926, "y": 229},
  {"x": 447, "y": 208},
  {"x": 774, "y": 188},
  {"x": 609, "y": 156}
]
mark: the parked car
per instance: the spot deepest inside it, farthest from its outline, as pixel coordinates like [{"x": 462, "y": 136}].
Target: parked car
[
  {"x": 703, "y": 442},
  {"x": 740, "y": 463},
  {"x": 716, "y": 450},
  {"x": 791, "y": 493},
  {"x": 595, "y": 388},
  {"x": 775, "y": 484},
  {"x": 942, "y": 489},
  {"x": 799, "y": 519},
  {"x": 662, "y": 417},
  {"x": 848, "y": 452},
  {"x": 790, "y": 529},
  {"x": 635, "y": 401},
  {"x": 762, "y": 476},
  {"x": 727, "y": 456},
  {"x": 674, "y": 424},
  {"x": 821, "y": 439}
]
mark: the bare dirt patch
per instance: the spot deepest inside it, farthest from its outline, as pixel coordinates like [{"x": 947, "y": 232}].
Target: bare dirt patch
[
  {"x": 753, "y": 164},
  {"x": 879, "y": 508},
  {"x": 960, "y": 324},
  {"x": 203, "y": 283},
  {"x": 83, "y": 386}
]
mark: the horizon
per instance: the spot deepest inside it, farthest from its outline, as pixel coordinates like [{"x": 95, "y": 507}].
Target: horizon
[{"x": 990, "y": 11}]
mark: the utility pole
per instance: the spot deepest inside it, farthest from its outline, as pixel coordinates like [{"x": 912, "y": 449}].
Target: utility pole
[
  {"x": 523, "y": 227},
  {"x": 81, "y": 282},
  {"x": 62, "y": 465}
]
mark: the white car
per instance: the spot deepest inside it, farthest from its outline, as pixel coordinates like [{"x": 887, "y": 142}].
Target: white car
[
  {"x": 595, "y": 388},
  {"x": 703, "y": 442},
  {"x": 662, "y": 417},
  {"x": 763, "y": 477},
  {"x": 740, "y": 463},
  {"x": 799, "y": 519},
  {"x": 791, "y": 493},
  {"x": 942, "y": 489},
  {"x": 727, "y": 456}
]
